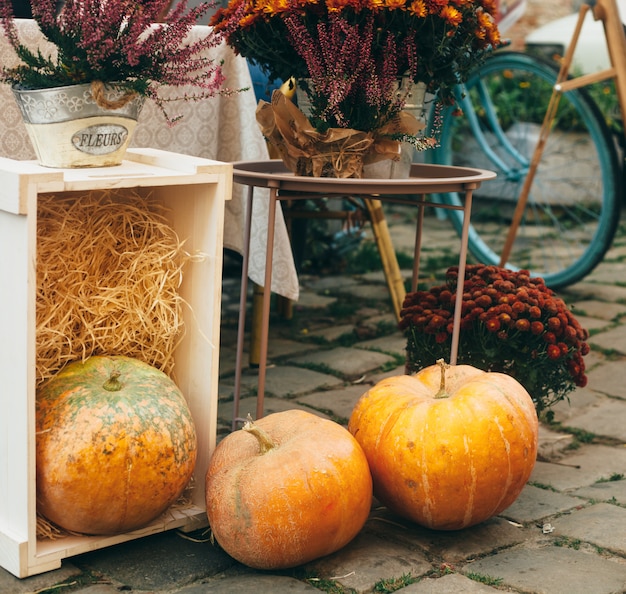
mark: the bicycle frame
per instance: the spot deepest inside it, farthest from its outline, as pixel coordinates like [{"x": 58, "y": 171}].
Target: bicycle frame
[{"x": 607, "y": 12}]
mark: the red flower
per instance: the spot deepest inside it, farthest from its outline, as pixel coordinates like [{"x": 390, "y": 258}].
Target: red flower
[
  {"x": 536, "y": 328},
  {"x": 544, "y": 353},
  {"x": 554, "y": 324},
  {"x": 554, "y": 352},
  {"x": 493, "y": 324},
  {"x": 550, "y": 337}
]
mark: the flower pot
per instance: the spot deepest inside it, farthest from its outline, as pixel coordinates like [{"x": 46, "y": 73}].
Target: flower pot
[
  {"x": 86, "y": 125},
  {"x": 414, "y": 95}
]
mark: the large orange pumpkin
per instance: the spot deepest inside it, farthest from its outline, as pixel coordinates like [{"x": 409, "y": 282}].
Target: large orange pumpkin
[
  {"x": 448, "y": 447},
  {"x": 287, "y": 489},
  {"x": 116, "y": 445}
]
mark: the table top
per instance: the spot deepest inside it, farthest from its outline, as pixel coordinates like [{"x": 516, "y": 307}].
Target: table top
[{"x": 423, "y": 179}]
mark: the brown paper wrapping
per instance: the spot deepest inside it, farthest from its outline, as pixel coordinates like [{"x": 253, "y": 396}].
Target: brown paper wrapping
[{"x": 338, "y": 152}]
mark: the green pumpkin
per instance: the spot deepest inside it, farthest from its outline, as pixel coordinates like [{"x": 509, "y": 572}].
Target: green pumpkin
[{"x": 116, "y": 445}]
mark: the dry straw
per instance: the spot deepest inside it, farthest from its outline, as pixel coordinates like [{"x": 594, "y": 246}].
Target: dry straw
[{"x": 109, "y": 267}]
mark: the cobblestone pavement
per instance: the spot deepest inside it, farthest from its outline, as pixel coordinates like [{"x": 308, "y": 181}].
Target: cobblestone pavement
[{"x": 565, "y": 534}]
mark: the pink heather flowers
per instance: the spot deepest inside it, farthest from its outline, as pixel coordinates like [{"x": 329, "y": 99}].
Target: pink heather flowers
[
  {"x": 117, "y": 41},
  {"x": 349, "y": 86},
  {"x": 510, "y": 322}
]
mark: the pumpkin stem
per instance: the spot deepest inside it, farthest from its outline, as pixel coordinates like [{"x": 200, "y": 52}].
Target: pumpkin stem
[
  {"x": 442, "y": 384},
  {"x": 265, "y": 441},
  {"x": 113, "y": 384}
]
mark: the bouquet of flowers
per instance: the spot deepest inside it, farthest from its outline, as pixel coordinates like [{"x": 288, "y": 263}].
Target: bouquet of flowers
[
  {"x": 351, "y": 53},
  {"x": 510, "y": 323},
  {"x": 116, "y": 42}
]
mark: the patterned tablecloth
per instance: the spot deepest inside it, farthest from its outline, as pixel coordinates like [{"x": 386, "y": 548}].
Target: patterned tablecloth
[{"x": 222, "y": 128}]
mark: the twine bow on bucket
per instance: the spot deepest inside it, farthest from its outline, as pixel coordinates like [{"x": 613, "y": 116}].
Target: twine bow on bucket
[{"x": 98, "y": 91}]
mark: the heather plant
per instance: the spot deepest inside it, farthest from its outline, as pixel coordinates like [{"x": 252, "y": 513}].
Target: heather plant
[
  {"x": 437, "y": 42},
  {"x": 119, "y": 42},
  {"x": 510, "y": 322}
]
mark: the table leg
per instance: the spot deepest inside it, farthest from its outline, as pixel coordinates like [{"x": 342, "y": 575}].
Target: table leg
[
  {"x": 395, "y": 282},
  {"x": 456, "y": 328},
  {"x": 267, "y": 295},
  {"x": 242, "y": 308},
  {"x": 418, "y": 245}
]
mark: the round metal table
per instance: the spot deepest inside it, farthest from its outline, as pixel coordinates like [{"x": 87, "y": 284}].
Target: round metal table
[{"x": 283, "y": 185}]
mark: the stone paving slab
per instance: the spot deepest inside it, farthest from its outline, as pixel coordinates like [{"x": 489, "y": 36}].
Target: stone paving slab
[
  {"x": 270, "y": 405},
  {"x": 365, "y": 292},
  {"x": 602, "y": 524},
  {"x": 597, "y": 291},
  {"x": 450, "y": 547},
  {"x": 608, "y": 274},
  {"x": 453, "y": 583},
  {"x": 614, "y": 340},
  {"x": 100, "y": 589},
  {"x": 340, "y": 402},
  {"x": 605, "y": 418},
  {"x": 367, "y": 560},
  {"x": 585, "y": 466},
  {"x": 392, "y": 343},
  {"x": 552, "y": 444},
  {"x": 277, "y": 348},
  {"x": 333, "y": 333},
  {"x": 608, "y": 378},
  {"x": 309, "y": 300},
  {"x": 251, "y": 584},
  {"x": 374, "y": 378},
  {"x": 579, "y": 400},
  {"x": 348, "y": 362},
  {"x": 607, "y": 491},
  {"x": 594, "y": 324},
  {"x": 534, "y": 504},
  {"x": 553, "y": 570},
  {"x": 9, "y": 584},
  {"x": 158, "y": 562},
  {"x": 600, "y": 309},
  {"x": 373, "y": 325},
  {"x": 329, "y": 282},
  {"x": 283, "y": 381}
]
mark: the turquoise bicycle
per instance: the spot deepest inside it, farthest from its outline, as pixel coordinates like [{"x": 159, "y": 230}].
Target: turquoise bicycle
[{"x": 574, "y": 201}]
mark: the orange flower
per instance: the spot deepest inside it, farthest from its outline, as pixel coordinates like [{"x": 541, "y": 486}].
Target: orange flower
[
  {"x": 397, "y": 4},
  {"x": 451, "y": 15},
  {"x": 418, "y": 8}
]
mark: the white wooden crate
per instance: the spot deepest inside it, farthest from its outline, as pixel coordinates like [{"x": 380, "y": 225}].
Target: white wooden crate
[{"x": 194, "y": 191}]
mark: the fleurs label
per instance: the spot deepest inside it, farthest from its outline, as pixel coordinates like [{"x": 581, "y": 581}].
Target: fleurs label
[{"x": 100, "y": 140}]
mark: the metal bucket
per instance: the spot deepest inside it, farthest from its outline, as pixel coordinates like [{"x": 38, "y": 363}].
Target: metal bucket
[{"x": 69, "y": 128}]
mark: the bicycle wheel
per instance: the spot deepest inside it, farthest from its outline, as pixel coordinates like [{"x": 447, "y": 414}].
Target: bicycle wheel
[{"x": 574, "y": 202}]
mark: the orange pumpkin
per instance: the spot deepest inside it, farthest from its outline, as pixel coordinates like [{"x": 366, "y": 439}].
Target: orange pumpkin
[
  {"x": 448, "y": 447},
  {"x": 116, "y": 445},
  {"x": 287, "y": 489}
]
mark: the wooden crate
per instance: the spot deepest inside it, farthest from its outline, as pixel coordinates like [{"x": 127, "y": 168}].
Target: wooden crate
[{"x": 194, "y": 191}]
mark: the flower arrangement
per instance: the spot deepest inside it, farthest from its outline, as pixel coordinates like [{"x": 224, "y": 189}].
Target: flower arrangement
[
  {"x": 351, "y": 52},
  {"x": 510, "y": 323},
  {"x": 119, "y": 42}
]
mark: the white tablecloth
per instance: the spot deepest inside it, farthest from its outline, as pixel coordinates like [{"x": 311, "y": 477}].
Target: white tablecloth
[{"x": 223, "y": 128}]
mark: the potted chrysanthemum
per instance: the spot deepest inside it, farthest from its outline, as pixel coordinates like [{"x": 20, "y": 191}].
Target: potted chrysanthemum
[
  {"x": 510, "y": 322},
  {"x": 350, "y": 55},
  {"x": 101, "y": 59}
]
